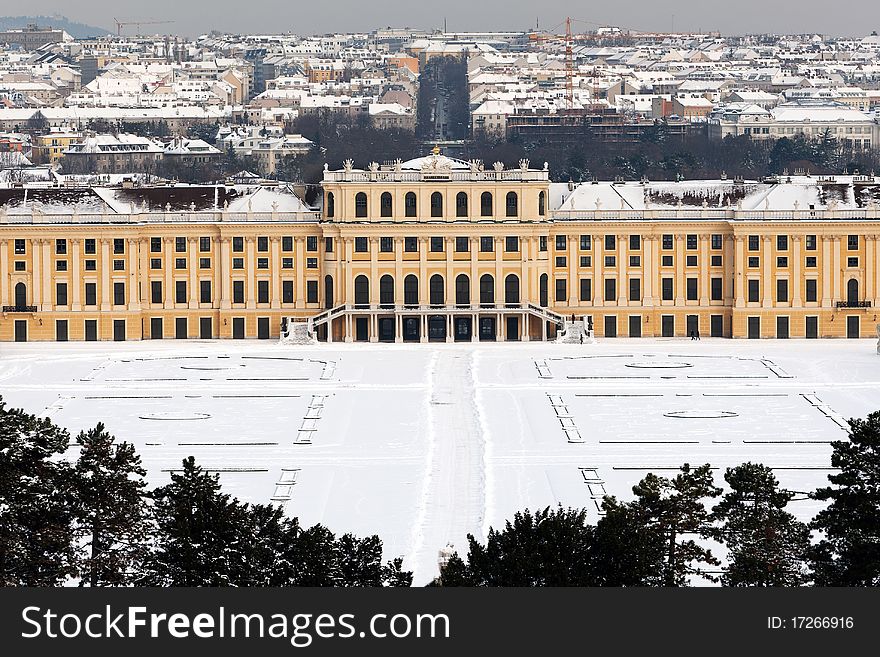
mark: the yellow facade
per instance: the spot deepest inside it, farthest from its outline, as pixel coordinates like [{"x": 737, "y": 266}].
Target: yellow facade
[
  {"x": 48, "y": 149},
  {"x": 439, "y": 250}
]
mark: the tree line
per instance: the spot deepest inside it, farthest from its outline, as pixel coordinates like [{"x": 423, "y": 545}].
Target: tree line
[
  {"x": 665, "y": 535},
  {"x": 92, "y": 520}
]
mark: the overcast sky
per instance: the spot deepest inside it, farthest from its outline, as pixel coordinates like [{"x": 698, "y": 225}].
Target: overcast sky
[{"x": 192, "y": 17}]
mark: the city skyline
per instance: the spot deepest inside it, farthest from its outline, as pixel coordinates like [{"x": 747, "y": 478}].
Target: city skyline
[{"x": 851, "y": 17}]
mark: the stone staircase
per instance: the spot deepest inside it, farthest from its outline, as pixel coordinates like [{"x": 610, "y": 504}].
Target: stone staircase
[
  {"x": 572, "y": 331},
  {"x": 297, "y": 332}
]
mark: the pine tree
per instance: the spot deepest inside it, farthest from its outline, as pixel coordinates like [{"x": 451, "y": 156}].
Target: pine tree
[
  {"x": 394, "y": 575},
  {"x": 201, "y": 533},
  {"x": 111, "y": 508},
  {"x": 676, "y": 508},
  {"x": 767, "y": 545},
  {"x": 626, "y": 549},
  {"x": 544, "y": 548},
  {"x": 360, "y": 561},
  {"x": 849, "y": 553},
  {"x": 36, "y": 502}
]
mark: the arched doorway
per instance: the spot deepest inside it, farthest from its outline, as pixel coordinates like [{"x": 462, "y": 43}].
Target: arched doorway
[
  {"x": 20, "y": 295},
  {"x": 462, "y": 290},
  {"x": 386, "y": 291},
  {"x": 328, "y": 291},
  {"x": 511, "y": 289},
  {"x": 361, "y": 291},
  {"x": 852, "y": 292},
  {"x": 436, "y": 290},
  {"x": 411, "y": 290},
  {"x": 487, "y": 290}
]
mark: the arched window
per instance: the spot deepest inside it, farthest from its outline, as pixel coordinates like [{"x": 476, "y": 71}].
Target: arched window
[
  {"x": 331, "y": 204},
  {"x": 461, "y": 204},
  {"x": 328, "y": 291},
  {"x": 487, "y": 289},
  {"x": 411, "y": 290},
  {"x": 436, "y": 204},
  {"x": 486, "y": 204},
  {"x": 542, "y": 291},
  {"x": 409, "y": 204},
  {"x": 511, "y": 289},
  {"x": 852, "y": 291},
  {"x": 542, "y": 204},
  {"x": 20, "y": 295},
  {"x": 386, "y": 206},
  {"x": 511, "y": 205},
  {"x": 436, "y": 290},
  {"x": 462, "y": 290},
  {"x": 361, "y": 291},
  {"x": 360, "y": 205},
  {"x": 386, "y": 290}
]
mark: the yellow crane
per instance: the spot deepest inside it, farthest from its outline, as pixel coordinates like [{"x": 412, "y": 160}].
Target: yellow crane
[{"x": 120, "y": 24}]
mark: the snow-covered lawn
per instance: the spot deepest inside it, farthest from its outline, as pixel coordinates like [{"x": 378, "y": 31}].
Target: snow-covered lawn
[{"x": 425, "y": 443}]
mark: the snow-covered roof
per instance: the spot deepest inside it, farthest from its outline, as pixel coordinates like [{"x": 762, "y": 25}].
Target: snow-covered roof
[{"x": 782, "y": 194}]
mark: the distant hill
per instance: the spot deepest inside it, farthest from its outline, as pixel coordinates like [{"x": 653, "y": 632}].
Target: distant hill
[{"x": 76, "y": 30}]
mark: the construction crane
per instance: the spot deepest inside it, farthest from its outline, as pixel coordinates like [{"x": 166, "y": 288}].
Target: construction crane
[
  {"x": 568, "y": 41},
  {"x": 120, "y": 24}
]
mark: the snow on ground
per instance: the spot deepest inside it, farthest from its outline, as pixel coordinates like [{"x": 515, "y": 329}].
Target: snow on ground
[{"x": 423, "y": 444}]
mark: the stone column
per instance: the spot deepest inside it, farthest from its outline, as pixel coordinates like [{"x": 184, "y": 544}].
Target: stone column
[
  {"x": 75, "y": 267},
  {"x": 374, "y": 274},
  {"x": 106, "y": 299},
  {"x": 704, "y": 270},
  {"x": 46, "y": 286},
  {"x": 622, "y": 291},
  {"x": 648, "y": 244},
  {"x": 680, "y": 263},
  {"x": 729, "y": 266},
  {"x": 251, "y": 264},
  {"x": 36, "y": 255},
  {"x": 449, "y": 245},
  {"x": 573, "y": 299},
  {"x": 223, "y": 269},
  {"x": 170, "y": 294},
  {"x": 499, "y": 272},
  {"x": 826, "y": 271},
  {"x": 836, "y": 270},
  {"x": 423, "y": 271},
  {"x": 475, "y": 274},
  {"x": 299, "y": 252},
  {"x": 598, "y": 268},
  {"x": 193, "y": 262},
  {"x": 768, "y": 292},
  {"x": 134, "y": 275},
  {"x": 797, "y": 272},
  {"x": 740, "y": 271},
  {"x": 398, "y": 282},
  {"x": 276, "y": 272},
  {"x": 871, "y": 270},
  {"x": 4, "y": 272}
]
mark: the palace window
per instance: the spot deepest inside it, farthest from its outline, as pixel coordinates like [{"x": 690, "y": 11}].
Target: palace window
[
  {"x": 386, "y": 206},
  {"x": 409, "y": 204},
  {"x": 486, "y": 204},
  {"x": 436, "y": 204},
  {"x": 360, "y": 205},
  {"x": 511, "y": 205},
  {"x": 461, "y": 204}
]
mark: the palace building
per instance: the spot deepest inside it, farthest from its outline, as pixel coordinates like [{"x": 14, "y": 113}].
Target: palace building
[{"x": 441, "y": 249}]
